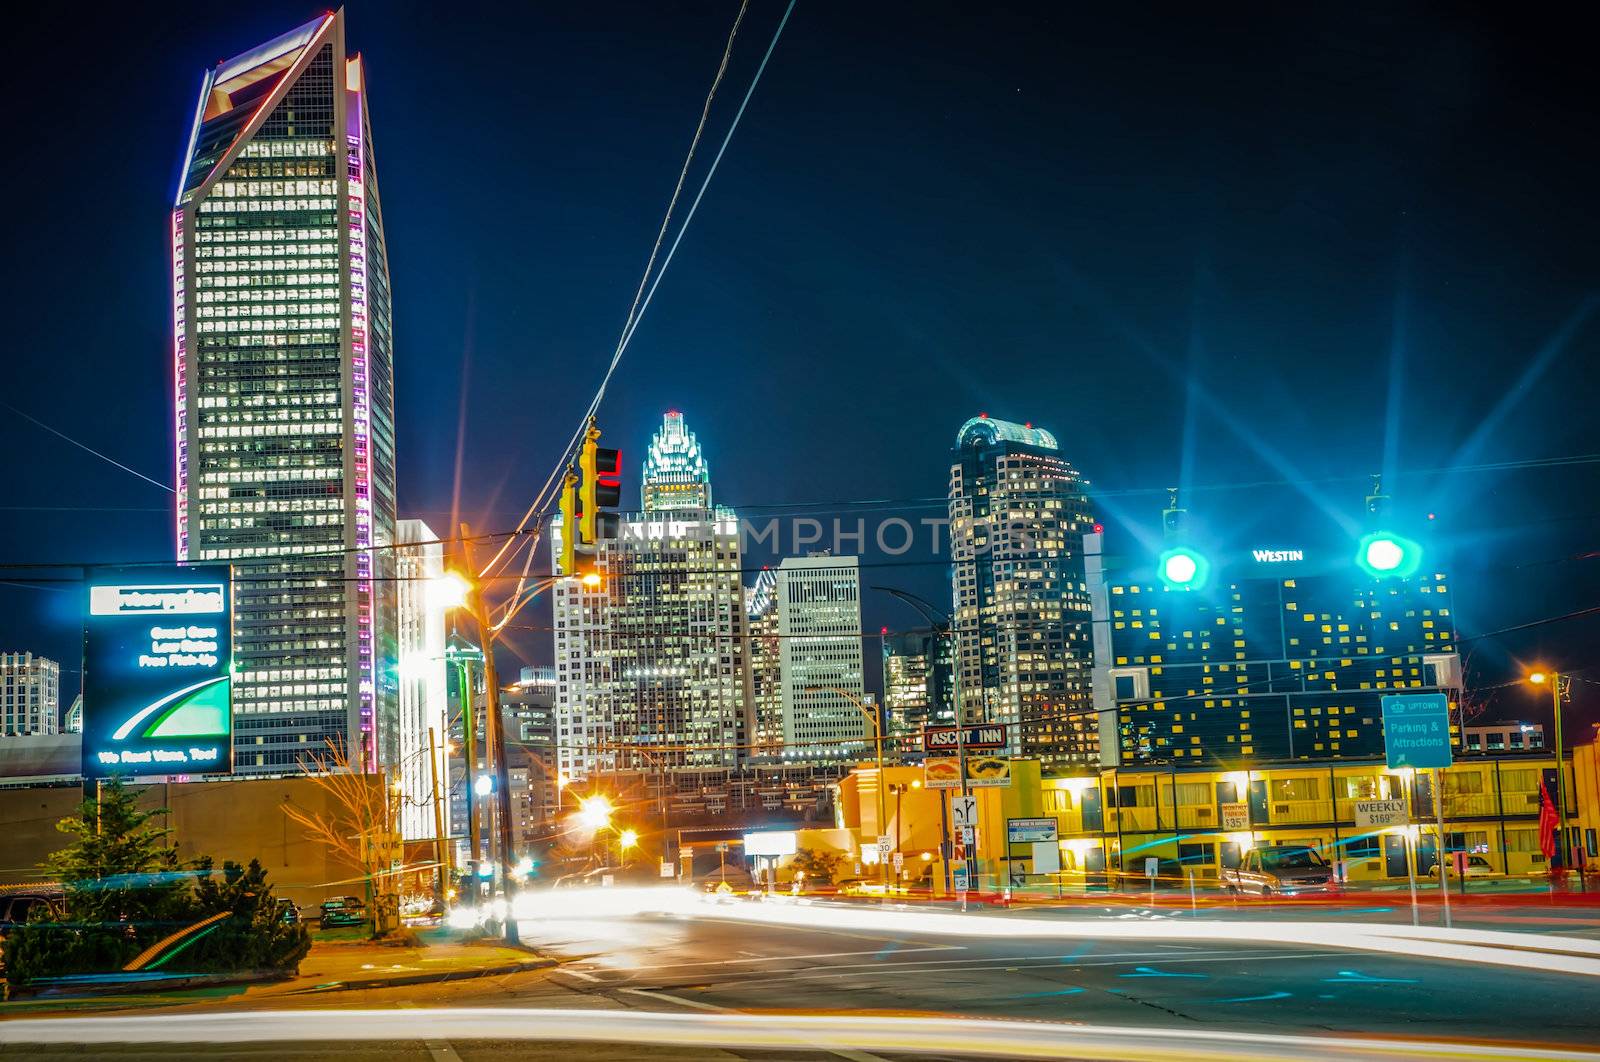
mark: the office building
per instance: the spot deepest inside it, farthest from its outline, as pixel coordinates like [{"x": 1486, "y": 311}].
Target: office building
[
  {"x": 284, "y": 395},
  {"x": 766, "y": 666},
  {"x": 675, "y": 472},
  {"x": 819, "y": 646},
  {"x": 1257, "y": 654},
  {"x": 30, "y": 695},
  {"x": 652, "y": 666},
  {"x": 1514, "y": 736},
  {"x": 917, "y": 685},
  {"x": 530, "y": 720},
  {"x": 1018, "y": 514},
  {"x": 424, "y": 698}
]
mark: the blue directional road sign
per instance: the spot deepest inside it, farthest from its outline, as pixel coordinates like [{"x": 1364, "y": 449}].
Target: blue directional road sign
[{"x": 1416, "y": 730}]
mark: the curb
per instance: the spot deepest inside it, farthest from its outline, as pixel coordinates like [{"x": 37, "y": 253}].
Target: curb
[
  {"x": 403, "y": 980},
  {"x": 176, "y": 982}
]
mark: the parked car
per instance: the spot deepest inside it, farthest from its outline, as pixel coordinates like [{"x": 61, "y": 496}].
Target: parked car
[
  {"x": 288, "y": 913},
  {"x": 16, "y": 907},
  {"x": 1477, "y": 867},
  {"x": 342, "y": 911},
  {"x": 1280, "y": 870}
]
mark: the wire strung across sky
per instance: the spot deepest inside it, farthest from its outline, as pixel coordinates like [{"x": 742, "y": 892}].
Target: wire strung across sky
[{"x": 546, "y": 496}]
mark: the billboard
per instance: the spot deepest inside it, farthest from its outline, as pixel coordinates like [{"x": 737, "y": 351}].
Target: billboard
[{"x": 157, "y": 671}]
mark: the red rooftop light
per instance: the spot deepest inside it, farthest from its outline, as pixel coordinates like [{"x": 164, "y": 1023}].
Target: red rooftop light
[{"x": 1099, "y": 528}]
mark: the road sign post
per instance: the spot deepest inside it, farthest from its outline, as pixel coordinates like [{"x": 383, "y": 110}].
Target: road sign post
[{"x": 1416, "y": 734}]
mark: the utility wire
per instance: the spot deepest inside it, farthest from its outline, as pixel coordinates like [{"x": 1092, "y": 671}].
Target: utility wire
[
  {"x": 541, "y": 500},
  {"x": 86, "y": 448}
]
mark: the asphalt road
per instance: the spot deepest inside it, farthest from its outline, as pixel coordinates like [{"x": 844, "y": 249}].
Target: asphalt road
[
  {"x": 696, "y": 968},
  {"x": 711, "y": 964}
]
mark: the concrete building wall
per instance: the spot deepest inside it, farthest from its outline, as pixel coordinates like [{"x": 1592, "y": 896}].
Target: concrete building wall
[{"x": 237, "y": 820}]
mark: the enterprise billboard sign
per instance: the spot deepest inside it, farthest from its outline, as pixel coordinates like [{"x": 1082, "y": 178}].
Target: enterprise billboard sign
[{"x": 157, "y": 667}]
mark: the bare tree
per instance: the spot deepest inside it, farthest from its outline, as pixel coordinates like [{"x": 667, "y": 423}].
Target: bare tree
[{"x": 360, "y": 832}]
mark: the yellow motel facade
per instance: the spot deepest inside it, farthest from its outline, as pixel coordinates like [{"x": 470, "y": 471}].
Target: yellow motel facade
[{"x": 1109, "y": 825}]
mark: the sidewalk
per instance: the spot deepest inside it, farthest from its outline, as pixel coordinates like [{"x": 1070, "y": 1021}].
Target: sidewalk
[{"x": 439, "y": 956}]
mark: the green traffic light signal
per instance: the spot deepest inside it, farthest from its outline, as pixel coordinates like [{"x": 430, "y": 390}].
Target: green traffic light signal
[
  {"x": 1383, "y": 554},
  {"x": 1181, "y": 568}
]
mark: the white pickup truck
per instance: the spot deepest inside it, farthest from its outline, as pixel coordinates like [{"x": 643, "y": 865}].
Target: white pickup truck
[{"x": 1279, "y": 870}]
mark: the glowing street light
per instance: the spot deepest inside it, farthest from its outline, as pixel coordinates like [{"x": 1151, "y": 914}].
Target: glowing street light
[
  {"x": 594, "y": 812},
  {"x": 1182, "y": 568},
  {"x": 627, "y": 839},
  {"x": 1557, "y": 683},
  {"x": 1383, "y": 554},
  {"x": 448, "y": 591}
]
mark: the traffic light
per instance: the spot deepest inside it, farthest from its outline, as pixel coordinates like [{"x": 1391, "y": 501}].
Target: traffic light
[
  {"x": 569, "y": 523},
  {"x": 1383, "y": 554},
  {"x": 601, "y": 488},
  {"x": 1181, "y": 568}
]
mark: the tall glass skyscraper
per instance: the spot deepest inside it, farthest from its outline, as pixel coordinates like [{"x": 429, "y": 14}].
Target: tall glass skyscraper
[
  {"x": 284, "y": 394},
  {"x": 652, "y": 667},
  {"x": 1018, "y": 514}
]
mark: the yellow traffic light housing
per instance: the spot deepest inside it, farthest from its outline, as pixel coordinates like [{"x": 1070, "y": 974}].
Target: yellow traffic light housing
[{"x": 569, "y": 523}]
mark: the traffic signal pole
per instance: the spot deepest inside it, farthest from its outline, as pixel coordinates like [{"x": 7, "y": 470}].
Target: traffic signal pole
[{"x": 495, "y": 738}]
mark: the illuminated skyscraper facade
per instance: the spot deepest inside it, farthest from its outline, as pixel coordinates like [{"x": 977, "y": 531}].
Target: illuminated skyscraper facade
[
  {"x": 652, "y": 667},
  {"x": 284, "y": 394},
  {"x": 766, "y": 665},
  {"x": 1018, "y": 514},
  {"x": 30, "y": 695},
  {"x": 819, "y": 636},
  {"x": 675, "y": 473},
  {"x": 424, "y": 696},
  {"x": 917, "y": 686}
]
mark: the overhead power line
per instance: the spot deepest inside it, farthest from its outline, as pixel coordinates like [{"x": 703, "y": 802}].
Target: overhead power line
[{"x": 542, "y": 499}]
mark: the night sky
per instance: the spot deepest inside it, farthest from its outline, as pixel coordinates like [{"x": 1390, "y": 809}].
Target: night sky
[{"x": 1209, "y": 247}]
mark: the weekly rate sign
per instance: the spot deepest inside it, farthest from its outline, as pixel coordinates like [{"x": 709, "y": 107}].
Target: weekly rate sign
[{"x": 157, "y": 660}]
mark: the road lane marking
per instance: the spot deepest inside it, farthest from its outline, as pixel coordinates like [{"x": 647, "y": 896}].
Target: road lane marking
[
  {"x": 853, "y": 1056},
  {"x": 579, "y": 973},
  {"x": 959, "y": 966},
  {"x": 786, "y": 958},
  {"x": 1356, "y": 977},
  {"x": 1248, "y": 999},
  {"x": 441, "y": 1051},
  {"x": 1151, "y": 971}
]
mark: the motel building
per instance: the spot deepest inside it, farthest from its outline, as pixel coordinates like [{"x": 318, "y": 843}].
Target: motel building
[{"x": 1202, "y": 821}]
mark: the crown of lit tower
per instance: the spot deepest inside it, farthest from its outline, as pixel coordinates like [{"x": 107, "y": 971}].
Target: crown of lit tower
[{"x": 675, "y": 473}]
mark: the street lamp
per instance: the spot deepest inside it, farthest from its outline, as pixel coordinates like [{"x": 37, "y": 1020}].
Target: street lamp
[
  {"x": 594, "y": 812},
  {"x": 1558, "y": 683},
  {"x": 877, "y": 730}
]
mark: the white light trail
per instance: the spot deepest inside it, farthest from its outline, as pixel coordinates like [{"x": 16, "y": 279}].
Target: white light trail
[
  {"x": 972, "y": 1037},
  {"x": 1542, "y": 952}
]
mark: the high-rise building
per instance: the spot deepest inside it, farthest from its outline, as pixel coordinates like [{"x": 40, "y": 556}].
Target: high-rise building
[
  {"x": 1241, "y": 655},
  {"x": 917, "y": 685},
  {"x": 1018, "y": 514},
  {"x": 424, "y": 691},
  {"x": 675, "y": 473},
  {"x": 819, "y": 635},
  {"x": 530, "y": 718},
  {"x": 30, "y": 695},
  {"x": 651, "y": 667},
  {"x": 766, "y": 666},
  {"x": 284, "y": 394}
]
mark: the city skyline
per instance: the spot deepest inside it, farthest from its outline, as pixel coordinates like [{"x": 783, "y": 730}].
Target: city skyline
[{"x": 1199, "y": 309}]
